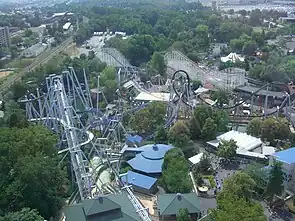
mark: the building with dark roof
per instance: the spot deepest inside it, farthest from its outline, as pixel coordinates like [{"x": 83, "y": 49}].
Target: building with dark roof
[
  {"x": 169, "y": 205},
  {"x": 4, "y": 37},
  {"x": 149, "y": 159},
  {"x": 107, "y": 208},
  {"x": 274, "y": 98},
  {"x": 140, "y": 183}
]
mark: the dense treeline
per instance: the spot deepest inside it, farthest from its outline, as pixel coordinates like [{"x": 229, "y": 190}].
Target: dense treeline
[
  {"x": 158, "y": 29},
  {"x": 193, "y": 32},
  {"x": 30, "y": 176}
]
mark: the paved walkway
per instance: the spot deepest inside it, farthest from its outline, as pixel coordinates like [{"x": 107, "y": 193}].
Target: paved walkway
[{"x": 194, "y": 183}]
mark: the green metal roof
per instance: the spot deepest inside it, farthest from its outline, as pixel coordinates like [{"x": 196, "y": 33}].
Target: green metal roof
[
  {"x": 75, "y": 213},
  {"x": 169, "y": 204},
  {"x": 111, "y": 207},
  {"x": 99, "y": 205}
]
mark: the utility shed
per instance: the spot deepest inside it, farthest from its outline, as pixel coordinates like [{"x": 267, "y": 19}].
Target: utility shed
[
  {"x": 107, "y": 208},
  {"x": 169, "y": 204},
  {"x": 140, "y": 183}
]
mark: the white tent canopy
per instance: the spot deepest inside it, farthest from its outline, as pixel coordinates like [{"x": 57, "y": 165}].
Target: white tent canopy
[
  {"x": 201, "y": 90},
  {"x": 232, "y": 57},
  {"x": 196, "y": 159},
  {"x": 244, "y": 141}
]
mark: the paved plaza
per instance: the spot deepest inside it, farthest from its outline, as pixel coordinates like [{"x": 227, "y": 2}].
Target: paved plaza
[{"x": 225, "y": 171}]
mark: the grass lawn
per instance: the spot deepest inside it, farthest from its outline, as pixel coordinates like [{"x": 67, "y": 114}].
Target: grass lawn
[
  {"x": 259, "y": 29},
  {"x": 72, "y": 51},
  {"x": 5, "y": 73},
  {"x": 20, "y": 63}
]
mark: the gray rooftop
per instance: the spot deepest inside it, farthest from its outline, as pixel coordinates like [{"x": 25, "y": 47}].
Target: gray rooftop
[
  {"x": 36, "y": 47},
  {"x": 169, "y": 204},
  {"x": 250, "y": 89}
]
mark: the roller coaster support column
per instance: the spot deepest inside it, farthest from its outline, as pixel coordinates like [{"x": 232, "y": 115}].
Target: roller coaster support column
[
  {"x": 97, "y": 92},
  {"x": 252, "y": 102},
  {"x": 88, "y": 93},
  {"x": 289, "y": 107},
  {"x": 119, "y": 76},
  {"x": 265, "y": 104},
  {"x": 83, "y": 178}
]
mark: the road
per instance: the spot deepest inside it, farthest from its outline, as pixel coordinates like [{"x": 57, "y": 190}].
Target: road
[{"x": 42, "y": 59}]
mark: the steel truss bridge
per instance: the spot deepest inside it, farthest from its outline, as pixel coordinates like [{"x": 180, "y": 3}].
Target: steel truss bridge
[{"x": 62, "y": 107}]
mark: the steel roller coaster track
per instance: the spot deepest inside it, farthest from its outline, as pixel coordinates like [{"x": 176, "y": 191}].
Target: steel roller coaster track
[{"x": 290, "y": 97}]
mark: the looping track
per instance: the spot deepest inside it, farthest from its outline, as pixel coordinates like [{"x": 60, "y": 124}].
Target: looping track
[{"x": 184, "y": 96}]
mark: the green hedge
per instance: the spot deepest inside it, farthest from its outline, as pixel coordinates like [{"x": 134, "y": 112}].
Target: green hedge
[{"x": 211, "y": 180}]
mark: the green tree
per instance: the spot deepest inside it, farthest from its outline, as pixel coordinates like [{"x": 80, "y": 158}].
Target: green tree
[
  {"x": 220, "y": 118},
  {"x": 195, "y": 128},
  {"x": 201, "y": 113},
  {"x": 158, "y": 63},
  {"x": 175, "y": 178},
  {"x": 202, "y": 34},
  {"x": 249, "y": 47},
  {"x": 179, "y": 134},
  {"x": 147, "y": 119},
  {"x": 255, "y": 18},
  {"x": 18, "y": 89},
  {"x": 233, "y": 208},
  {"x": 170, "y": 155},
  {"x": 26, "y": 214},
  {"x": 234, "y": 202},
  {"x": 125, "y": 169},
  {"x": 203, "y": 165},
  {"x": 37, "y": 181},
  {"x": 183, "y": 215},
  {"x": 108, "y": 82},
  {"x": 141, "y": 121},
  {"x": 28, "y": 32},
  {"x": 237, "y": 45},
  {"x": 276, "y": 179},
  {"x": 221, "y": 96},
  {"x": 196, "y": 84},
  {"x": 260, "y": 175},
  {"x": 254, "y": 127},
  {"x": 275, "y": 128},
  {"x": 38, "y": 184},
  {"x": 240, "y": 184},
  {"x": 91, "y": 55},
  {"x": 209, "y": 130},
  {"x": 14, "y": 116},
  {"x": 227, "y": 149},
  {"x": 161, "y": 135},
  {"x": 16, "y": 39},
  {"x": 140, "y": 49}
]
